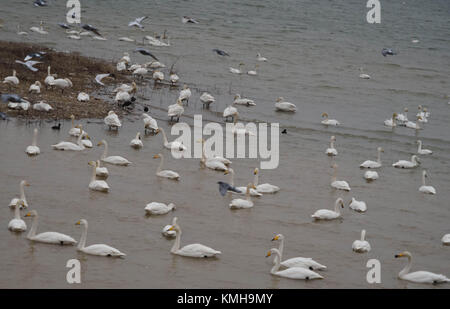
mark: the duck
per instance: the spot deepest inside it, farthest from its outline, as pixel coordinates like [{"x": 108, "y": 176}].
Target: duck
[
  {"x": 97, "y": 249},
  {"x": 363, "y": 75},
  {"x": 175, "y": 110},
  {"x": 424, "y": 188},
  {"x": 418, "y": 276},
  {"x": 17, "y": 224},
  {"x": 236, "y": 71},
  {"x": 42, "y": 106},
  {"x": 331, "y": 151},
  {"x": 185, "y": 94},
  {"x": 101, "y": 171},
  {"x": 264, "y": 187},
  {"x": 11, "y": 80},
  {"x": 33, "y": 150},
  {"x": 370, "y": 175},
  {"x": 175, "y": 145},
  {"x": 260, "y": 58},
  {"x": 83, "y": 97},
  {"x": 70, "y": 146},
  {"x": 137, "y": 141},
  {"x": 192, "y": 250},
  {"x": 329, "y": 122},
  {"x": 47, "y": 237},
  {"x": 391, "y": 122},
  {"x": 339, "y": 184},
  {"x": 373, "y": 164},
  {"x": 149, "y": 123},
  {"x": 165, "y": 173},
  {"x": 97, "y": 185},
  {"x": 359, "y": 206},
  {"x": 300, "y": 273},
  {"x": 253, "y": 72},
  {"x": 283, "y": 106},
  {"x": 307, "y": 263},
  {"x": 112, "y": 120},
  {"x": 423, "y": 151},
  {"x": 361, "y": 245},
  {"x": 61, "y": 83},
  {"x": 240, "y": 190},
  {"x": 207, "y": 99},
  {"x": 116, "y": 160},
  {"x": 155, "y": 208},
  {"x": 36, "y": 87},
  {"x": 407, "y": 164},
  {"x": 49, "y": 79},
  {"x": 243, "y": 101},
  {"x": 24, "y": 203},
  {"x": 230, "y": 111},
  {"x": 241, "y": 203},
  {"x": 326, "y": 214}
]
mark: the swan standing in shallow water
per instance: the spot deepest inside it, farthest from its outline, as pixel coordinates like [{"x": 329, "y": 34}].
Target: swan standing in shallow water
[
  {"x": 422, "y": 151},
  {"x": 424, "y": 188},
  {"x": 155, "y": 208},
  {"x": 329, "y": 122},
  {"x": 192, "y": 250},
  {"x": 293, "y": 272},
  {"x": 22, "y": 197},
  {"x": 407, "y": 164},
  {"x": 418, "y": 276},
  {"x": 264, "y": 187},
  {"x": 175, "y": 110},
  {"x": 308, "y": 263},
  {"x": 357, "y": 205},
  {"x": 373, "y": 164},
  {"x": 283, "y": 106},
  {"x": 47, "y": 237},
  {"x": 149, "y": 123},
  {"x": 361, "y": 245},
  {"x": 338, "y": 184},
  {"x": 241, "y": 203},
  {"x": 137, "y": 141},
  {"x": 326, "y": 214},
  {"x": 117, "y": 160},
  {"x": 391, "y": 122},
  {"x": 165, "y": 173},
  {"x": 230, "y": 111},
  {"x": 112, "y": 120},
  {"x": 207, "y": 99},
  {"x": 33, "y": 149},
  {"x": 185, "y": 94},
  {"x": 332, "y": 151},
  {"x": 242, "y": 190},
  {"x": 98, "y": 249},
  {"x": 175, "y": 145},
  {"x": 17, "y": 224},
  {"x": 71, "y": 146},
  {"x": 97, "y": 185}
]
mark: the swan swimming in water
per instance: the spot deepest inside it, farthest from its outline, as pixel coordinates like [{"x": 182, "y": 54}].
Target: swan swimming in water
[
  {"x": 418, "y": 276},
  {"x": 357, "y": 205},
  {"x": 236, "y": 71},
  {"x": 362, "y": 74},
  {"x": 243, "y": 101},
  {"x": 329, "y": 122},
  {"x": 211, "y": 163},
  {"x": 423, "y": 151},
  {"x": 407, "y": 164},
  {"x": 293, "y": 272},
  {"x": 260, "y": 58},
  {"x": 17, "y": 224},
  {"x": 424, "y": 188},
  {"x": 98, "y": 249},
  {"x": 370, "y": 175},
  {"x": 264, "y": 187},
  {"x": 373, "y": 164},
  {"x": 361, "y": 245},
  {"x": 446, "y": 240},
  {"x": 192, "y": 250},
  {"x": 33, "y": 149},
  {"x": 116, "y": 160},
  {"x": 101, "y": 171},
  {"x": 332, "y": 151},
  {"x": 97, "y": 185},
  {"x": 241, "y": 203},
  {"x": 155, "y": 208},
  {"x": 284, "y": 106},
  {"x": 391, "y": 122},
  {"x": 47, "y": 237},
  {"x": 137, "y": 141},
  {"x": 338, "y": 184},
  {"x": 242, "y": 190},
  {"x": 326, "y": 214},
  {"x": 308, "y": 263},
  {"x": 22, "y": 197},
  {"x": 71, "y": 146},
  {"x": 165, "y": 173},
  {"x": 175, "y": 145}
]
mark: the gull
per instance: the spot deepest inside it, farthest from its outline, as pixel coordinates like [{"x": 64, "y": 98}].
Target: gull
[
  {"x": 137, "y": 22},
  {"x": 224, "y": 188},
  {"x": 39, "y": 55},
  {"x": 99, "y": 78},
  {"x": 187, "y": 19},
  {"x": 29, "y": 64},
  {"x": 220, "y": 52},
  {"x": 146, "y": 52},
  {"x": 388, "y": 51},
  {"x": 40, "y": 3},
  {"x": 91, "y": 28}
]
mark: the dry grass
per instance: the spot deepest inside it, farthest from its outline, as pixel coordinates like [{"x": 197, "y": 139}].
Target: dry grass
[{"x": 79, "y": 69}]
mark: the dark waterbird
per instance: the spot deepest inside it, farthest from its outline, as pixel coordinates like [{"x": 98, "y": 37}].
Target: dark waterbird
[
  {"x": 8, "y": 97},
  {"x": 284, "y": 131},
  {"x": 388, "y": 51},
  {"x": 224, "y": 188},
  {"x": 146, "y": 52},
  {"x": 3, "y": 116},
  {"x": 129, "y": 102},
  {"x": 220, "y": 52},
  {"x": 57, "y": 126},
  {"x": 40, "y": 3},
  {"x": 91, "y": 28},
  {"x": 64, "y": 25}
]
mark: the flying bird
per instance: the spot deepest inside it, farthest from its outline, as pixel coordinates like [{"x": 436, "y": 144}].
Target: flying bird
[
  {"x": 137, "y": 22},
  {"x": 187, "y": 19},
  {"x": 99, "y": 78},
  {"x": 38, "y": 55},
  {"x": 29, "y": 64},
  {"x": 224, "y": 188},
  {"x": 220, "y": 52},
  {"x": 64, "y": 25},
  {"x": 40, "y": 3},
  {"x": 388, "y": 51},
  {"x": 8, "y": 97},
  {"x": 146, "y": 52},
  {"x": 91, "y": 28}
]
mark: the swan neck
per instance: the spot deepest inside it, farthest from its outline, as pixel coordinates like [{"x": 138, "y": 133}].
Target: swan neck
[
  {"x": 17, "y": 212},
  {"x": 423, "y": 179},
  {"x": 407, "y": 268},
  {"x": 22, "y": 191},
  {"x": 34, "y": 226},
  {"x": 160, "y": 164},
  {"x": 82, "y": 242},
  {"x": 363, "y": 235},
  {"x": 164, "y": 136},
  {"x": 420, "y": 146},
  {"x": 379, "y": 156},
  {"x": 256, "y": 179},
  {"x": 105, "y": 151},
  {"x": 277, "y": 262},
  {"x": 34, "y": 138},
  {"x": 336, "y": 206},
  {"x": 281, "y": 247},
  {"x": 176, "y": 245},
  {"x": 231, "y": 177},
  {"x": 94, "y": 169}
]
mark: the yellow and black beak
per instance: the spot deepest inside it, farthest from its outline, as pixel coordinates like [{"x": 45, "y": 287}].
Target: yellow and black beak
[
  {"x": 268, "y": 254},
  {"x": 78, "y": 223}
]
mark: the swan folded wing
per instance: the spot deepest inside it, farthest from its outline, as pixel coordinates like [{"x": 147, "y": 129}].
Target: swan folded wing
[
  {"x": 198, "y": 250},
  {"x": 369, "y": 164},
  {"x": 15, "y": 200},
  {"x": 298, "y": 273},
  {"x": 168, "y": 174},
  {"x": 158, "y": 208},
  {"x": 99, "y": 185},
  {"x": 303, "y": 262},
  {"x": 325, "y": 214},
  {"x": 67, "y": 146},
  {"x": 116, "y": 160},
  {"x": 425, "y": 277},
  {"x": 17, "y": 225},
  {"x": 103, "y": 250},
  {"x": 267, "y": 188},
  {"x": 54, "y": 238},
  {"x": 240, "y": 203},
  {"x": 113, "y": 120}
]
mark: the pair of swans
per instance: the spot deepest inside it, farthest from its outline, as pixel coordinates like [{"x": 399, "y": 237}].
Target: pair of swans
[
  {"x": 373, "y": 164},
  {"x": 361, "y": 245},
  {"x": 116, "y": 160},
  {"x": 22, "y": 197},
  {"x": 243, "y": 190},
  {"x": 112, "y": 120},
  {"x": 214, "y": 163},
  {"x": 308, "y": 263},
  {"x": 175, "y": 145},
  {"x": 33, "y": 149},
  {"x": 407, "y": 164},
  {"x": 137, "y": 141},
  {"x": 97, "y": 185},
  {"x": 329, "y": 122},
  {"x": 284, "y": 106},
  {"x": 17, "y": 224},
  {"x": 243, "y": 203},
  {"x": 293, "y": 272},
  {"x": 418, "y": 276},
  {"x": 97, "y": 249},
  {"x": 422, "y": 151},
  {"x": 155, "y": 208},
  {"x": 338, "y": 184},
  {"x": 327, "y": 214},
  {"x": 424, "y": 188},
  {"x": 331, "y": 151},
  {"x": 165, "y": 173},
  {"x": 359, "y": 206},
  {"x": 47, "y": 237},
  {"x": 192, "y": 250}
]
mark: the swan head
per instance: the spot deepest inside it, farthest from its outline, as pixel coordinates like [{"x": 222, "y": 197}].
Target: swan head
[
  {"x": 157, "y": 156},
  {"x": 255, "y": 172},
  {"x": 278, "y": 237},
  {"x": 32, "y": 213},
  {"x": 419, "y": 107},
  {"x": 185, "y": 86},
  {"x": 102, "y": 142},
  {"x": 273, "y": 250},
  {"x": 333, "y": 138},
  {"x": 424, "y": 173},
  {"x": 324, "y": 115},
  {"x": 237, "y": 96},
  {"x": 81, "y": 222},
  {"x": 20, "y": 203},
  {"x": 251, "y": 186},
  {"x": 38, "y": 83},
  {"x": 394, "y": 115},
  {"x": 403, "y": 254},
  {"x": 340, "y": 202},
  {"x": 380, "y": 149},
  {"x": 419, "y": 118},
  {"x": 111, "y": 113},
  {"x": 280, "y": 99},
  {"x": 25, "y": 183},
  {"x": 425, "y": 109},
  {"x": 92, "y": 163},
  {"x": 229, "y": 170},
  {"x": 419, "y": 141},
  {"x": 174, "y": 226}
]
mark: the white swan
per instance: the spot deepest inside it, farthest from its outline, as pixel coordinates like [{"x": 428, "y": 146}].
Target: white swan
[
  {"x": 42, "y": 107},
  {"x": 357, "y": 205},
  {"x": 174, "y": 78},
  {"x": 361, "y": 245},
  {"x": 141, "y": 72},
  {"x": 116, "y": 160},
  {"x": 158, "y": 76},
  {"x": 49, "y": 78},
  {"x": 167, "y": 232},
  {"x": 264, "y": 187},
  {"x": 243, "y": 101},
  {"x": 175, "y": 110},
  {"x": 230, "y": 111},
  {"x": 165, "y": 173},
  {"x": 192, "y": 250},
  {"x": 127, "y": 88},
  {"x": 11, "y": 80},
  {"x": 338, "y": 184},
  {"x": 241, "y": 203},
  {"x": 61, "y": 83},
  {"x": 243, "y": 190},
  {"x": 175, "y": 145},
  {"x": 122, "y": 96},
  {"x": 329, "y": 122},
  {"x": 370, "y": 175},
  {"x": 414, "y": 125},
  {"x": 97, "y": 185},
  {"x": 363, "y": 75},
  {"x": 207, "y": 99},
  {"x": 185, "y": 94},
  {"x": 236, "y": 71},
  {"x": 112, "y": 120},
  {"x": 407, "y": 164},
  {"x": 47, "y": 237},
  {"x": 36, "y": 87},
  {"x": 424, "y": 188},
  {"x": 391, "y": 122},
  {"x": 137, "y": 141},
  {"x": 121, "y": 66},
  {"x": 332, "y": 151},
  {"x": 211, "y": 163},
  {"x": 260, "y": 58},
  {"x": 446, "y": 240},
  {"x": 155, "y": 208},
  {"x": 39, "y": 29},
  {"x": 422, "y": 151},
  {"x": 101, "y": 171},
  {"x": 402, "y": 118},
  {"x": 33, "y": 149},
  {"x": 22, "y": 197},
  {"x": 293, "y": 272},
  {"x": 373, "y": 164},
  {"x": 284, "y": 106},
  {"x": 98, "y": 249},
  {"x": 326, "y": 214},
  {"x": 75, "y": 129},
  {"x": 70, "y": 146},
  {"x": 308, "y": 263},
  {"x": 149, "y": 123},
  {"x": 253, "y": 72},
  {"x": 86, "y": 141},
  {"x": 17, "y": 224},
  {"x": 418, "y": 276}
]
